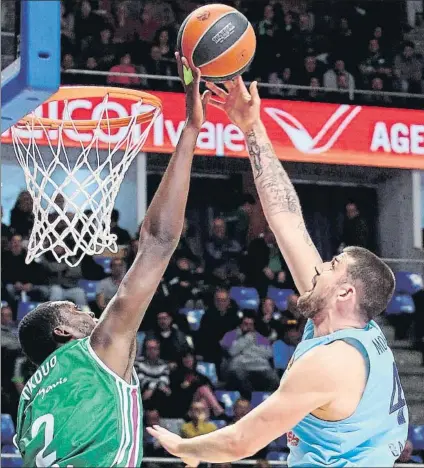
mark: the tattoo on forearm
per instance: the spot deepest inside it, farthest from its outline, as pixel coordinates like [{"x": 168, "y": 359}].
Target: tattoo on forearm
[
  {"x": 272, "y": 182},
  {"x": 304, "y": 230}
]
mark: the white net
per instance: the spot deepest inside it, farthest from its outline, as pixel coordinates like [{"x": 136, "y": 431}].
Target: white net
[{"x": 73, "y": 197}]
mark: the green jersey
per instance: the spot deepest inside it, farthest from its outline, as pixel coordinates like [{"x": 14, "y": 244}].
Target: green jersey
[{"x": 75, "y": 412}]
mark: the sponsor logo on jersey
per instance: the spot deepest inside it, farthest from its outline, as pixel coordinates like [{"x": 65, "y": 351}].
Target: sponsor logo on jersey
[
  {"x": 292, "y": 440},
  {"x": 43, "y": 391}
]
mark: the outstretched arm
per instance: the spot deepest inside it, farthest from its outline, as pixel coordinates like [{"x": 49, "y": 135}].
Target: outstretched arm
[
  {"x": 296, "y": 397},
  {"x": 114, "y": 337},
  {"x": 277, "y": 194}
]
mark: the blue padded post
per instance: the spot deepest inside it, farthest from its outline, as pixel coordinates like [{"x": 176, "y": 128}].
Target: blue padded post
[{"x": 32, "y": 79}]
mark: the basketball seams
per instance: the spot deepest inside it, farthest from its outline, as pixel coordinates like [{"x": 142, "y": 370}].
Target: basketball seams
[{"x": 229, "y": 48}]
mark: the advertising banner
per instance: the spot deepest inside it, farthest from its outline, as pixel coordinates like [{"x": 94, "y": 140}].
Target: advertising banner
[{"x": 300, "y": 131}]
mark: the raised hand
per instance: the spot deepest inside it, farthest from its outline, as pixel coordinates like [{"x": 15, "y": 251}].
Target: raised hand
[
  {"x": 241, "y": 105},
  {"x": 195, "y": 104}
]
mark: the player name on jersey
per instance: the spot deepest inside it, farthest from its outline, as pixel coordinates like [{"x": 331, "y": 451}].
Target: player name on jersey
[{"x": 37, "y": 378}]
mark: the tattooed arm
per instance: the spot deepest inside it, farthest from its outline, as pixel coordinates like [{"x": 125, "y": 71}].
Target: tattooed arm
[{"x": 278, "y": 196}]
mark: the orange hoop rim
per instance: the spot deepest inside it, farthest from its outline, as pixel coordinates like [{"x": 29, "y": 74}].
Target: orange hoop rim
[{"x": 83, "y": 92}]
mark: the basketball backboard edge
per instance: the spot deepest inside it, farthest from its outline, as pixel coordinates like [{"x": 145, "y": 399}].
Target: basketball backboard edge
[{"x": 35, "y": 75}]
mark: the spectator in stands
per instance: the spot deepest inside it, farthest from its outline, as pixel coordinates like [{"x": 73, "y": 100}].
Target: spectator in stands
[
  {"x": 108, "y": 287},
  {"x": 151, "y": 446},
  {"x": 67, "y": 23},
  {"x": 199, "y": 423},
  {"x": 374, "y": 63},
  {"x": 163, "y": 41},
  {"x": 315, "y": 94},
  {"x": 406, "y": 455},
  {"x": 125, "y": 66},
  {"x": 9, "y": 335},
  {"x": 331, "y": 76},
  {"x": 286, "y": 33},
  {"x": 343, "y": 42},
  {"x": 221, "y": 253},
  {"x": 306, "y": 40},
  {"x": 150, "y": 23},
  {"x": 310, "y": 70},
  {"x": 153, "y": 374},
  {"x": 154, "y": 64},
  {"x": 6, "y": 233},
  {"x": 248, "y": 367},
  {"x": 377, "y": 97},
  {"x": 241, "y": 407},
  {"x": 87, "y": 25},
  {"x": 283, "y": 79},
  {"x": 68, "y": 63},
  {"x": 219, "y": 318},
  {"x": 182, "y": 285},
  {"x": 131, "y": 252},
  {"x": 91, "y": 80},
  {"x": 189, "y": 250},
  {"x": 173, "y": 342},
  {"x": 188, "y": 385},
  {"x": 126, "y": 27},
  {"x": 266, "y": 324},
  {"x": 63, "y": 279},
  {"x": 104, "y": 49},
  {"x": 123, "y": 236},
  {"x": 22, "y": 280},
  {"x": 23, "y": 371},
  {"x": 408, "y": 70},
  {"x": 355, "y": 229},
  {"x": 241, "y": 218},
  {"x": 21, "y": 216},
  {"x": 342, "y": 84}
]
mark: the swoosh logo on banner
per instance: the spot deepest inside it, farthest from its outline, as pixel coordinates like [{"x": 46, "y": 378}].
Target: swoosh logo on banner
[{"x": 325, "y": 138}]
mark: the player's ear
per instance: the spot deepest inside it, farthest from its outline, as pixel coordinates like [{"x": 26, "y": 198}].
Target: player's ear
[
  {"x": 346, "y": 292},
  {"x": 63, "y": 334}
]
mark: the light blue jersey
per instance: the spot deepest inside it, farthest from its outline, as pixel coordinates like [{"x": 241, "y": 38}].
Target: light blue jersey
[{"x": 376, "y": 432}]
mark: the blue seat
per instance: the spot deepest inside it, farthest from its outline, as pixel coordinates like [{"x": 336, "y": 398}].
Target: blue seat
[
  {"x": 279, "y": 296},
  {"x": 277, "y": 456},
  {"x": 258, "y": 398},
  {"x": 408, "y": 283},
  {"x": 227, "y": 398},
  {"x": 15, "y": 462},
  {"x": 219, "y": 423},
  {"x": 104, "y": 262},
  {"x": 209, "y": 370},
  {"x": 24, "y": 308},
  {"x": 90, "y": 288},
  {"x": 140, "y": 341},
  {"x": 282, "y": 353},
  {"x": 279, "y": 444},
  {"x": 416, "y": 436},
  {"x": 245, "y": 298},
  {"x": 173, "y": 425},
  {"x": 7, "y": 429},
  {"x": 400, "y": 304},
  {"x": 194, "y": 317}
]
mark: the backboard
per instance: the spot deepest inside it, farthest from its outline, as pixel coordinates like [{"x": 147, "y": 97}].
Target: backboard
[{"x": 31, "y": 33}]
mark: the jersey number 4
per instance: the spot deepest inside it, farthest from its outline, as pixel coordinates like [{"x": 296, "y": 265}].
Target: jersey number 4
[
  {"x": 397, "y": 401},
  {"x": 42, "y": 460}
]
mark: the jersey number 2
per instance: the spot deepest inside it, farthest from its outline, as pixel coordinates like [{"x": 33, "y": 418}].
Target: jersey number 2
[
  {"x": 397, "y": 401},
  {"x": 48, "y": 421}
]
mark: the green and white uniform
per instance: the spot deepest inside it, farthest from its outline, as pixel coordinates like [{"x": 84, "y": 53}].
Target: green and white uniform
[{"x": 75, "y": 412}]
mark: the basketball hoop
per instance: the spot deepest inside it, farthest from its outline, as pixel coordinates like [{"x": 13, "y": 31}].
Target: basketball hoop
[{"x": 74, "y": 194}]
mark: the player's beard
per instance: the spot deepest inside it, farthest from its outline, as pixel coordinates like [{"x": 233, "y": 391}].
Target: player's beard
[
  {"x": 84, "y": 327},
  {"x": 311, "y": 303}
]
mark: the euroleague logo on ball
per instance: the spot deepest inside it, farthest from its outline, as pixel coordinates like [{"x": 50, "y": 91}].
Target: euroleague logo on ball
[{"x": 203, "y": 16}]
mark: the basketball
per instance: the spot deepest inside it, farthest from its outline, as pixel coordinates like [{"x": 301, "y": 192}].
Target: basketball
[{"x": 219, "y": 40}]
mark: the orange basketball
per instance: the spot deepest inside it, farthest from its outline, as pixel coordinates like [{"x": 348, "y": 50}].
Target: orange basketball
[{"x": 219, "y": 40}]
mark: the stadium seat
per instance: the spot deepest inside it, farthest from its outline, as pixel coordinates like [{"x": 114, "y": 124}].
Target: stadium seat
[
  {"x": 258, "y": 398},
  {"x": 277, "y": 456},
  {"x": 104, "y": 262},
  {"x": 194, "y": 316},
  {"x": 416, "y": 436},
  {"x": 282, "y": 353},
  {"x": 227, "y": 398},
  {"x": 209, "y": 370},
  {"x": 279, "y": 296},
  {"x": 7, "y": 429},
  {"x": 173, "y": 425},
  {"x": 24, "y": 308},
  {"x": 90, "y": 288},
  {"x": 408, "y": 283},
  {"x": 219, "y": 423},
  {"x": 278, "y": 444},
  {"x": 245, "y": 298},
  {"x": 400, "y": 304}
]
